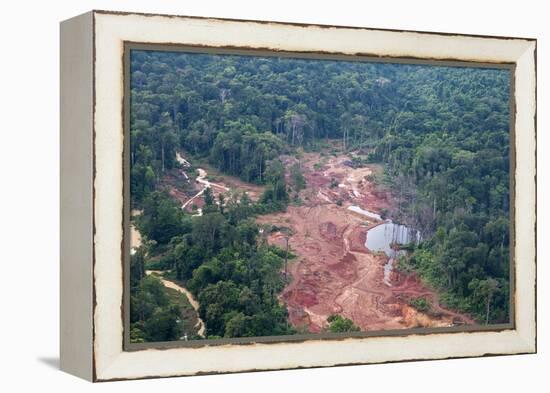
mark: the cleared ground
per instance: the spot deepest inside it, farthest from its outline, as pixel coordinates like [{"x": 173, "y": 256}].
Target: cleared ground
[{"x": 334, "y": 272}]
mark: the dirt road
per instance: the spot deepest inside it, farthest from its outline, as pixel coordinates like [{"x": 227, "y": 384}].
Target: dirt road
[
  {"x": 225, "y": 185},
  {"x": 201, "y": 179}
]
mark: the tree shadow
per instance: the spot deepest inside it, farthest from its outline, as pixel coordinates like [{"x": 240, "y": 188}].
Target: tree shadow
[{"x": 52, "y": 362}]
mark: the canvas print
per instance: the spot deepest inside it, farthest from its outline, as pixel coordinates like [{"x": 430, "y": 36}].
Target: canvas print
[{"x": 277, "y": 196}]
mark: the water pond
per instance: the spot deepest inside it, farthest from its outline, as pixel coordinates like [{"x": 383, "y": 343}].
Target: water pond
[{"x": 381, "y": 237}]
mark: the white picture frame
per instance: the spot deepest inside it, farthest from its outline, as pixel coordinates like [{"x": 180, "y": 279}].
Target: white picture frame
[{"x": 92, "y": 190}]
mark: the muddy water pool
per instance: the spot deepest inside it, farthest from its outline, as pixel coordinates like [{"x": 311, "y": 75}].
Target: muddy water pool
[{"x": 383, "y": 236}]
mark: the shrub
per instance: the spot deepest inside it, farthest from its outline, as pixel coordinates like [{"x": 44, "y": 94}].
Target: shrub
[
  {"x": 420, "y": 303},
  {"x": 339, "y": 324}
]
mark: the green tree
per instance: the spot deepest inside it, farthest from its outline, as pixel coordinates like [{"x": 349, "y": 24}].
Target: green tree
[
  {"x": 339, "y": 324},
  {"x": 161, "y": 218},
  {"x": 485, "y": 290},
  {"x": 298, "y": 178}
]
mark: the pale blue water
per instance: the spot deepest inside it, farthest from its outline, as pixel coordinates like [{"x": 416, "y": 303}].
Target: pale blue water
[{"x": 381, "y": 237}]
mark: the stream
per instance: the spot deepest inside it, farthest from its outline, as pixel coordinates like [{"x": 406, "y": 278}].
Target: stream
[
  {"x": 194, "y": 303},
  {"x": 136, "y": 238},
  {"x": 136, "y": 241}
]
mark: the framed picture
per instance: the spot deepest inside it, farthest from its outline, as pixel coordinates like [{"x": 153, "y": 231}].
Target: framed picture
[{"x": 248, "y": 195}]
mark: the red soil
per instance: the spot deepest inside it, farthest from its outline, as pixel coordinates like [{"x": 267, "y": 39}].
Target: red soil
[{"x": 334, "y": 272}]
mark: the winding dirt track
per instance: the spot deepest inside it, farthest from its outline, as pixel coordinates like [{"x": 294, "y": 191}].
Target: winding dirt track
[
  {"x": 194, "y": 303},
  {"x": 334, "y": 272},
  {"x": 227, "y": 184}
]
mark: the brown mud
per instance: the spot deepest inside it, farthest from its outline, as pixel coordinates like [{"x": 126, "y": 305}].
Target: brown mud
[
  {"x": 334, "y": 273},
  {"x": 200, "y": 326}
]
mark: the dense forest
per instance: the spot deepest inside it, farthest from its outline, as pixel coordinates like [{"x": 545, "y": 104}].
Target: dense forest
[
  {"x": 441, "y": 133},
  {"x": 219, "y": 256}
]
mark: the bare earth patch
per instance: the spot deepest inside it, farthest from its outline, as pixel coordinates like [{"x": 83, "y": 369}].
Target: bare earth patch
[{"x": 334, "y": 273}]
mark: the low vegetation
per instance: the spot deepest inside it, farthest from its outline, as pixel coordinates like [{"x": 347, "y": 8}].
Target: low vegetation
[{"x": 339, "y": 324}]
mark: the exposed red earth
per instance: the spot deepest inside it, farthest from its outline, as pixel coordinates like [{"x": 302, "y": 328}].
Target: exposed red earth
[{"x": 334, "y": 272}]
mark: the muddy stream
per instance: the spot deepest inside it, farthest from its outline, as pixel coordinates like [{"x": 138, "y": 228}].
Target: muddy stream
[
  {"x": 194, "y": 303},
  {"x": 136, "y": 239}
]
